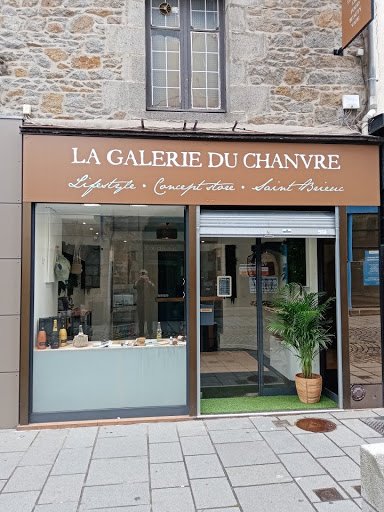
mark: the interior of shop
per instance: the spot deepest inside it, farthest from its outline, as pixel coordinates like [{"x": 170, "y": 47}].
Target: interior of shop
[
  {"x": 109, "y": 297},
  {"x": 239, "y": 356}
]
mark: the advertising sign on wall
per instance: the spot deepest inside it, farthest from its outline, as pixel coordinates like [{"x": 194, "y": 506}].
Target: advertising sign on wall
[
  {"x": 371, "y": 268},
  {"x": 163, "y": 171}
]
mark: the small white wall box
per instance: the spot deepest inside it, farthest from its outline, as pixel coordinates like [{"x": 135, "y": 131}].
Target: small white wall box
[
  {"x": 27, "y": 110},
  {"x": 224, "y": 286},
  {"x": 351, "y": 101}
]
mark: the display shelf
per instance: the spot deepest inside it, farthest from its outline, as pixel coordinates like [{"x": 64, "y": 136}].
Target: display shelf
[{"x": 113, "y": 346}]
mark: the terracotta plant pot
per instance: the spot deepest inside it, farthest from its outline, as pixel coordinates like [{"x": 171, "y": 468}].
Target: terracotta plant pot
[{"x": 309, "y": 390}]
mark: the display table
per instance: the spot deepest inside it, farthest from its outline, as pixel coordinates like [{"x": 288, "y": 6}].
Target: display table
[{"x": 113, "y": 377}]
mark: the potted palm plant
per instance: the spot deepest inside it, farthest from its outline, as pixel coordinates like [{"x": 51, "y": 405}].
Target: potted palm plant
[{"x": 298, "y": 320}]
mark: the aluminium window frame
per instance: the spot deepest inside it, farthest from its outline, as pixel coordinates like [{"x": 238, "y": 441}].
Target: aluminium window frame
[{"x": 185, "y": 32}]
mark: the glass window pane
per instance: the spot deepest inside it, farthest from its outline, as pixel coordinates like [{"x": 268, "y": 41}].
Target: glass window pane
[
  {"x": 158, "y": 42},
  {"x": 110, "y": 281},
  {"x": 199, "y": 98},
  {"x": 173, "y": 79},
  {"x": 212, "y": 80},
  {"x": 198, "y": 42},
  {"x": 173, "y": 61},
  {"x": 174, "y": 97},
  {"x": 212, "y": 42},
  {"x": 169, "y": 20},
  {"x": 211, "y": 20},
  {"x": 158, "y": 60},
  {"x": 199, "y": 80},
  {"x": 198, "y": 19},
  {"x": 212, "y": 62},
  {"x": 159, "y": 97},
  {"x": 159, "y": 78},
  {"x": 211, "y": 5},
  {"x": 213, "y": 98},
  {"x": 158, "y": 20},
  {"x": 172, "y": 43},
  {"x": 198, "y": 5},
  {"x": 198, "y": 61}
]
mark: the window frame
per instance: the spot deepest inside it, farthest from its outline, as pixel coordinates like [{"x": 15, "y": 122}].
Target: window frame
[{"x": 184, "y": 32}]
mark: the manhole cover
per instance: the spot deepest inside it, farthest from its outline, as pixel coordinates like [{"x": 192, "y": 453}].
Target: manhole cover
[
  {"x": 315, "y": 425},
  {"x": 376, "y": 423},
  {"x": 329, "y": 494}
]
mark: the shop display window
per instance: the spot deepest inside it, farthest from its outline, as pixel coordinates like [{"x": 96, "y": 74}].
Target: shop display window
[{"x": 109, "y": 329}]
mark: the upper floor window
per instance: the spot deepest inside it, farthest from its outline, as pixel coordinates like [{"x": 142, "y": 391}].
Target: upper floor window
[{"x": 185, "y": 55}]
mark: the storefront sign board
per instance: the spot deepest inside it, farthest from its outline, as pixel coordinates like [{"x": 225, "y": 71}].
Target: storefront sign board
[
  {"x": 69, "y": 169},
  {"x": 356, "y": 15}
]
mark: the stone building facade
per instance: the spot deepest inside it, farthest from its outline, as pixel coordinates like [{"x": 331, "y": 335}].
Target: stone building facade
[
  {"x": 83, "y": 63},
  {"x": 79, "y": 59}
]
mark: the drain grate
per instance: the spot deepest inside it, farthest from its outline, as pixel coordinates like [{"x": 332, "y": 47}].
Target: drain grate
[
  {"x": 376, "y": 424},
  {"x": 328, "y": 494},
  {"x": 316, "y": 425}
]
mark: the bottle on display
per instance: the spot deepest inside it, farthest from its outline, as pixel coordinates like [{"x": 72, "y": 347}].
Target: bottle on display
[
  {"x": 41, "y": 342},
  {"x": 55, "y": 342},
  {"x": 81, "y": 329},
  {"x": 63, "y": 335},
  {"x": 159, "y": 333}
]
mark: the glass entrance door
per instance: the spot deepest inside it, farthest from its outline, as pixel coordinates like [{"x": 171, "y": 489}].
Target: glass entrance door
[
  {"x": 228, "y": 318},
  {"x": 239, "y": 357}
]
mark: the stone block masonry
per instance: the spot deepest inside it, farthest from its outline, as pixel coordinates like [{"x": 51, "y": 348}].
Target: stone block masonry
[{"x": 86, "y": 59}]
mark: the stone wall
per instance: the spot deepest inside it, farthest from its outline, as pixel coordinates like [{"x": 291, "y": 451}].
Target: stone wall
[{"x": 78, "y": 59}]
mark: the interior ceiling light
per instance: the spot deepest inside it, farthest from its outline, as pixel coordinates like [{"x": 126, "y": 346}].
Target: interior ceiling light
[
  {"x": 166, "y": 232},
  {"x": 165, "y": 8}
]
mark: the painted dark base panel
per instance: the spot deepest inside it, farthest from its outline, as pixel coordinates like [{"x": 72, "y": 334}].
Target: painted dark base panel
[{"x": 107, "y": 414}]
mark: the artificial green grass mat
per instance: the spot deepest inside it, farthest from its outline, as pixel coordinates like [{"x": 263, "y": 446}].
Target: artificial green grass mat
[{"x": 261, "y": 404}]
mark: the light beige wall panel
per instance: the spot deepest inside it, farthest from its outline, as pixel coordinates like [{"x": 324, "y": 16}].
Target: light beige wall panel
[
  {"x": 9, "y": 400},
  {"x": 10, "y": 230},
  {"x": 10, "y": 287},
  {"x": 9, "y": 343},
  {"x": 10, "y": 164}
]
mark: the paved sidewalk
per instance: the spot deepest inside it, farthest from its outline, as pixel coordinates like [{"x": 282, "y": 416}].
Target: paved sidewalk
[{"x": 243, "y": 464}]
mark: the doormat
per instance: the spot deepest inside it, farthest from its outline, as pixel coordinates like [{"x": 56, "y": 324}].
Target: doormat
[{"x": 261, "y": 404}]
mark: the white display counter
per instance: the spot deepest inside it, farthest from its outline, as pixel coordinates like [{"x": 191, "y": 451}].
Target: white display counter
[{"x": 113, "y": 377}]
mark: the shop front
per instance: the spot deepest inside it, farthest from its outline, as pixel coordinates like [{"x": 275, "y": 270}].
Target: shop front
[{"x": 150, "y": 264}]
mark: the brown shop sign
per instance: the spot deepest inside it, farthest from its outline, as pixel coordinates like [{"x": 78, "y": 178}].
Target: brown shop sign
[
  {"x": 356, "y": 15},
  {"x": 151, "y": 171}
]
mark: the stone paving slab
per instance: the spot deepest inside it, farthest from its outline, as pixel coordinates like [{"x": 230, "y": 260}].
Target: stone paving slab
[
  {"x": 258, "y": 475},
  {"x": 8, "y": 463},
  {"x": 164, "y": 500},
  {"x": 341, "y": 468},
  {"x": 169, "y": 474},
  {"x": 28, "y": 478},
  {"x": 204, "y": 466},
  {"x": 57, "y": 507},
  {"x": 235, "y": 436},
  {"x": 62, "y": 488},
  {"x": 197, "y": 445},
  {"x": 340, "y": 506},
  {"x": 245, "y": 454},
  {"x": 237, "y": 464},
  {"x": 72, "y": 461},
  {"x": 283, "y": 442},
  {"x": 118, "y": 471},
  {"x": 309, "y": 484},
  {"x": 301, "y": 464},
  {"x": 18, "y": 501},
  {"x": 212, "y": 492},
  {"x": 106, "y": 496},
  {"x": 273, "y": 498}
]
